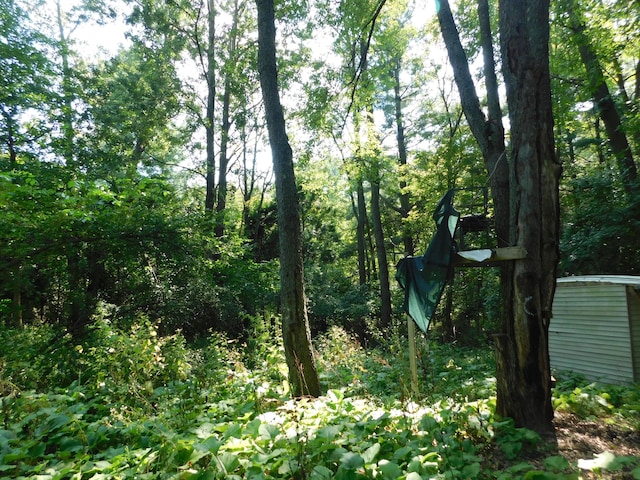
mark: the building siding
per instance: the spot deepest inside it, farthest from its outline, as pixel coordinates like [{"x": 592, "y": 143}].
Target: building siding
[
  {"x": 633, "y": 298},
  {"x": 589, "y": 332}
]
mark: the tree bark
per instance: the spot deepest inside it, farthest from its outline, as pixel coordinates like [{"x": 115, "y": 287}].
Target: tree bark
[
  {"x": 524, "y": 379},
  {"x": 303, "y": 375},
  {"x": 9, "y": 119},
  {"x": 221, "y": 203},
  {"x": 405, "y": 201},
  {"x": 381, "y": 254},
  {"x": 210, "y": 193},
  {"x": 488, "y": 132},
  {"x": 361, "y": 232},
  {"x": 67, "y": 94}
]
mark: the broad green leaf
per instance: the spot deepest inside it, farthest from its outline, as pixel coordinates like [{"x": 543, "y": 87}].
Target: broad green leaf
[
  {"x": 252, "y": 427},
  {"x": 233, "y": 430},
  {"x": 57, "y": 421},
  {"x": 229, "y": 461},
  {"x": 206, "y": 475},
  {"x": 557, "y": 463},
  {"x": 539, "y": 475},
  {"x": 320, "y": 472},
  {"x": 211, "y": 444},
  {"x": 351, "y": 460},
  {"x": 370, "y": 453},
  {"x": 471, "y": 471},
  {"x": 390, "y": 470},
  {"x": 401, "y": 452},
  {"x": 268, "y": 431},
  {"x": 413, "y": 476},
  {"x": 329, "y": 432}
]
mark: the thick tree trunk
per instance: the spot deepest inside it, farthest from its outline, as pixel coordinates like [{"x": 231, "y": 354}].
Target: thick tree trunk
[
  {"x": 303, "y": 375},
  {"x": 524, "y": 378}
]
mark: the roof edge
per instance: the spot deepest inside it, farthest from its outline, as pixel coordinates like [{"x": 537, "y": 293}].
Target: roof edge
[{"x": 617, "y": 279}]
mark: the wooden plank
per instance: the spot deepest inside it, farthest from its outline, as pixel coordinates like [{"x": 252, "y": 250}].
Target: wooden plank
[{"x": 497, "y": 255}]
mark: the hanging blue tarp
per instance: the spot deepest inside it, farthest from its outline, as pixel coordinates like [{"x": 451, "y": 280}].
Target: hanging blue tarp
[{"x": 424, "y": 278}]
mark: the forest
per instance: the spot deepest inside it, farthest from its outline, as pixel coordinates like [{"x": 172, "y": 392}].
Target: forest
[{"x": 204, "y": 205}]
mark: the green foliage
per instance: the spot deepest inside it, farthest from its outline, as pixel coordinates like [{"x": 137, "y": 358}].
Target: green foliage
[
  {"x": 600, "y": 237},
  {"x": 147, "y": 406},
  {"x": 40, "y": 356},
  {"x": 615, "y": 403}
]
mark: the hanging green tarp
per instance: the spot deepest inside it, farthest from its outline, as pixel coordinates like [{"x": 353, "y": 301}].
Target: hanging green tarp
[{"x": 423, "y": 278}]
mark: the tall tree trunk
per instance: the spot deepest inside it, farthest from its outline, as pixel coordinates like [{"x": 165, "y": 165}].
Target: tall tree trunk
[
  {"x": 67, "y": 93},
  {"x": 488, "y": 132},
  {"x": 405, "y": 202},
  {"x": 604, "y": 103},
  {"x": 303, "y": 375},
  {"x": 17, "y": 306},
  {"x": 221, "y": 204},
  {"x": 210, "y": 193},
  {"x": 376, "y": 221},
  {"x": 9, "y": 119},
  {"x": 381, "y": 254},
  {"x": 361, "y": 233},
  {"x": 248, "y": 175},
  {"x": 524, "y": 378}
]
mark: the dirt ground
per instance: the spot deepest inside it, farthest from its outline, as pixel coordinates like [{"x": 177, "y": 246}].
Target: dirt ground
[{"x": 579, "y": 439}]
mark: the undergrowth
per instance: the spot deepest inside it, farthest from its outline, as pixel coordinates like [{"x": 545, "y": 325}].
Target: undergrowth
[{"x": 129, "y": 403}]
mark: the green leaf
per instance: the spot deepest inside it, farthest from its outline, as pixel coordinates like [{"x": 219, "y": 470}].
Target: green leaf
[
  {"x": 390, "y": 470},
  {"x": 370, "y": 453},
  {"x": 413, "y": 476},
  {"x": 556, "y": 463},
  {"x": 402, "y": 452},
  {"x": 268, "y": 431},
  {"x": 471, "y": 471},
  {"x": 57, "y": 421},
  {"x": 321, "y": 472},
  {"x": 211, "y": 444},
  {"x": 351, "y": 460},
  {"x": 329, "y": 432},
  {"x": 229, "y": 461}
]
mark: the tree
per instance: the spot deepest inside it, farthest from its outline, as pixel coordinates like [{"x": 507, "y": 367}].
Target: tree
[
  {"x": 25, "y": 76},
  {"x": 527, "y": 212},
  {"x": 604, "y": 101},
  {"x": 487, "y": 130},
  {"x": 303, "y": 375},
  {"x": 524, "y": 379}
]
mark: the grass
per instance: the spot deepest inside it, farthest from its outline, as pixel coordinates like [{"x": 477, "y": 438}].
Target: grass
[{"x": 131, "y": 404}]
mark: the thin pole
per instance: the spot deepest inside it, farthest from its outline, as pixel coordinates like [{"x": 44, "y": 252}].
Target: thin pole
[{"x": 413, "y": 364}]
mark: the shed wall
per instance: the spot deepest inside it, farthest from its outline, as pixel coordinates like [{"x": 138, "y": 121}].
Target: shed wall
[
  {"x": 589, "y": 331},
  {"x": 633, "y": 299}
]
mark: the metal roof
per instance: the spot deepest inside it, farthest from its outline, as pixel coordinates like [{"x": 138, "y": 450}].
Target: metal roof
[{"x": 618, "y": 279}]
